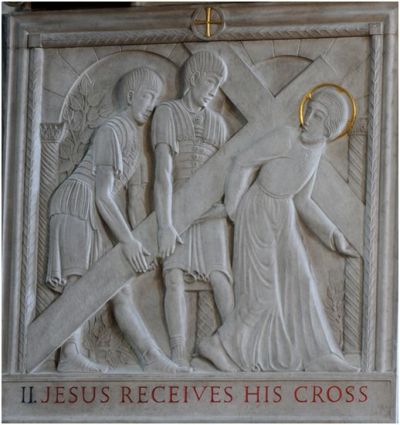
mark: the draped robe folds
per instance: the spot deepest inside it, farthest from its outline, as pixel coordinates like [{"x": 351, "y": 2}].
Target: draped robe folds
[
  {"x": 279, "y": 321},
  {"x": 78, "y": 236},
  {"x": 193, "y": 138}
]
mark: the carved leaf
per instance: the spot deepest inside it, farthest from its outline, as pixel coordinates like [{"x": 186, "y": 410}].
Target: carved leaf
[
  {"x": 105, "y": 342},
  {"x": 94, "y": 99},
  {"x": 76, "y": 122},
  {"x": 92, "y": 115},
  {"x": 105, "y": 110},
  {"x": 85, "y": 85},
  {"x": 76, "y": 102},
  {"x": 86, "y": 135},
  {"x": 68, "y": 114},
  {"x": 335, "y": 308},
  {"x": 66, "y": 149}
]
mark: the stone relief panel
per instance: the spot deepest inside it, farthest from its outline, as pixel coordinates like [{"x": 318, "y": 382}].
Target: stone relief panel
[
  {"x": 187, "y": 298},
  {"x": 200, "y": 214}
]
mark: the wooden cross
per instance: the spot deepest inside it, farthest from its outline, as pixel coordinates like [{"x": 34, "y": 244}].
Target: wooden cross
[
  {"x": 263, "y": 112},
  {"x": 208, "y": 21}
]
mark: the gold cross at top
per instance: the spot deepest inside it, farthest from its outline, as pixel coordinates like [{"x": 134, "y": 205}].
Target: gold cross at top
[{"x": 208, "y": 21}]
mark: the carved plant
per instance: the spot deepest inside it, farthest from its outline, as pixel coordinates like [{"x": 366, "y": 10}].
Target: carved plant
[
  {"x": 335, "y": 308},
  {"x": 85, "y": 110},
  {"x": 105, "y": 342}
]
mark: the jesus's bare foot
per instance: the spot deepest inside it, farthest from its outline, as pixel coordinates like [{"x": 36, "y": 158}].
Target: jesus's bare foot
[
  {"x": 212, "y": 349},
  {"x": 77, "y": 362}
]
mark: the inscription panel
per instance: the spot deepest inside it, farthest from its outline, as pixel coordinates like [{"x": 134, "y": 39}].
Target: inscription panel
[{"x": 259, "y": 400}]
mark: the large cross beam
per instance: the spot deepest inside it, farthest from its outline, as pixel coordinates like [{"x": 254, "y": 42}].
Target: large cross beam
[{"x": 263, "y": 112}]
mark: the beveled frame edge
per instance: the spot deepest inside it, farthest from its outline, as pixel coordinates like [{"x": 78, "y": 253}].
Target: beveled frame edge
[{"x": 376, "y": 21}]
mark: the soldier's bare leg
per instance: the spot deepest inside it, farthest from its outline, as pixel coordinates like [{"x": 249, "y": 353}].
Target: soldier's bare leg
[
  {"x": 139, "y": 338},
  {"x": 71, "y": 357},
  {"x": 223, "y": 293},
  {"x": 175, "y": 314}
]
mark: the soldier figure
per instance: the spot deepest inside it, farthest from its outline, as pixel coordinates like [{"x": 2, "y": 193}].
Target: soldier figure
[
  {"x": 85, "y": 219},
  {"x": 185, "y": 134}
]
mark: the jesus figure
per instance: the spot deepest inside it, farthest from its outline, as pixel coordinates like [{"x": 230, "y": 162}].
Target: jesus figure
[{"x": 279, "y": 322}]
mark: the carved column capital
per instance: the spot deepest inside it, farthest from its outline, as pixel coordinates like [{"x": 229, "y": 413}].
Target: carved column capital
[{"x": 52, "y": 132}]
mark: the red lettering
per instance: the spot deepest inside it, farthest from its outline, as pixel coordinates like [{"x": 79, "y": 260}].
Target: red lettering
[
  {"x": 153, "y": 393},
  {"x": 204, "y": 387},
  {"x": 364, "y": 394},
  {"x": 142, "y": 394},
  {"x": 349, "y": 391},
  {"x": 339, "y": 394},
  {"x": 277, "y": 394},
  {"x": 185, "y": 393},
  {"x": 84, "y": 395},
  {"x": 296, "y": 394},
  {"x": 59, "y": 395},
  {"x": 48, "y": 395},
  {"x": 248, "y": 393},
  {"x": 126, "y": 392},
  {"x": 105, "y": 391},
  {"x": 228, "y": 394},
  {"x": 317, "y": 390},
  {"x": 74, "y": 396},
  {"x": 173, "y": 392},
  {"x": 215, "y": 392},
  {"x": 266, "y": 394}
]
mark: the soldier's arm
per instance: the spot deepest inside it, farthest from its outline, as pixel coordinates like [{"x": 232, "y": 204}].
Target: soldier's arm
[
  {"x": 163, "y": 189},
  {"x": 164, "y": 143},
  {"x": 105, "y": 202},
  {"x": 136, "y": 196}
]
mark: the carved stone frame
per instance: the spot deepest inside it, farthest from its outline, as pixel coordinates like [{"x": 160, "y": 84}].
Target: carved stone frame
[{"x": 29, "y": 34}]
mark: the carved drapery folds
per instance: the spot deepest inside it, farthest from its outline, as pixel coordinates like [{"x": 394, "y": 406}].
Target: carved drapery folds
[
  {"x": 346, "y": 317},
  {"x": 352, "y": 311},
  {"x": 51, "y": 135},
  {"x": 309, "y": 250}
]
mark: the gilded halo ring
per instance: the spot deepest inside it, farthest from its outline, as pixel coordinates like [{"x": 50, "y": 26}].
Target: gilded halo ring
[{"x": 307, "y": 97}]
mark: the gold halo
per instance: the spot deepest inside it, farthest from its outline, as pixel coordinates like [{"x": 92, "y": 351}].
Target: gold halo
[{"x": 308, "y": 96}]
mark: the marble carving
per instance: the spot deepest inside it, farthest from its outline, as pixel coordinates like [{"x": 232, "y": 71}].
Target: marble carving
[
  {"x": 276, "y": 321},
  {"x": 185, "y": 134},
  {"x": 84, "y": 207},
  {"x": 199, "y": 204},
  {"x": 279, "y": 322}
]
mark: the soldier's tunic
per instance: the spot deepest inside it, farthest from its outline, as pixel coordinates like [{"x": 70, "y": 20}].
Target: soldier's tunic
[
  {"x": 78, "y": 236},
  {"x": 194, "y": 138}
]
